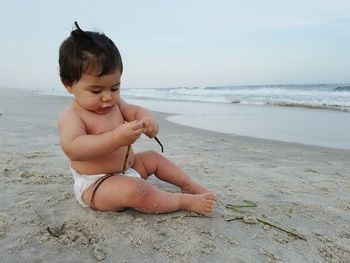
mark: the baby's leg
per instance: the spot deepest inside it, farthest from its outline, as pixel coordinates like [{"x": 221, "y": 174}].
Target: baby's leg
[
  {"x": 119, "y": 192},
  {"x": 151, "y": 162}
]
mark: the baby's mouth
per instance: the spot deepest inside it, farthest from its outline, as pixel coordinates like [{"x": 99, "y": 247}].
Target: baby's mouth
[{"x": 104, "y": 110}]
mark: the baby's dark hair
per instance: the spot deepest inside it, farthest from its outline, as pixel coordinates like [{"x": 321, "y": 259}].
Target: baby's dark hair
[{"x": 87, "y": 52}]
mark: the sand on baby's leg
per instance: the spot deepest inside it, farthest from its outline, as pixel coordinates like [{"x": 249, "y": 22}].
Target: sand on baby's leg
[
  {"x": 119, "y": 192},
  {"x": 151, "y": 162}
]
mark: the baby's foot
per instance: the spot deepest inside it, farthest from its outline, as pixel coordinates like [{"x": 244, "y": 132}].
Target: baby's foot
[
  {"x": 202, "y": 203},
  {"x": 194, "y": 188}
]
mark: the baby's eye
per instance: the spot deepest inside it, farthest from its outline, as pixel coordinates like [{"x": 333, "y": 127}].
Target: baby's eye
[
  {"x": 95, "y": 91},
  {"x": 115, "y": 89}
]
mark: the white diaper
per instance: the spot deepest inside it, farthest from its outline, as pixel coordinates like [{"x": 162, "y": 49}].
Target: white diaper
[{"x": 82, "y": 182}]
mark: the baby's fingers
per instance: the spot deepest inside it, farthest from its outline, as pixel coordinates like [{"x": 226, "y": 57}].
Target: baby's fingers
[
  {"x": 153, "y": 131},
  {"x": 149, "y": 129},
  {"x": 146, "y": 124},
  {"x": 137, "y": 125}
]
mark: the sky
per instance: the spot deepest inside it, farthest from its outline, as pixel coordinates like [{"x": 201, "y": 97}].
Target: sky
[{"x": 183, "y": 43}]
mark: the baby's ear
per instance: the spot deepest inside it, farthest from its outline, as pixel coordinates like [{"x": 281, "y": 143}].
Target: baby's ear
[{"x": 68, "y": 87}]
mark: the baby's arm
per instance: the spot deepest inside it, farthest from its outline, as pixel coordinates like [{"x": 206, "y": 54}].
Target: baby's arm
[
  {"x": 132, "y": 112},
  {"x": 80, "y": 146}
]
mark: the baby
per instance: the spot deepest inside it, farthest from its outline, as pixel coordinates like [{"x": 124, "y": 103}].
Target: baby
[{"x": 97, "y": 129}]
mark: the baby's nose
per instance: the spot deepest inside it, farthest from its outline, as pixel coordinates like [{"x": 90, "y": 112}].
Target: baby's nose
[{"x": 106, "y": 96}]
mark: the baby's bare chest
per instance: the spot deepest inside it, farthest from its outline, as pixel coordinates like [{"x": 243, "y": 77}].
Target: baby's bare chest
[{"x": 98, "y": 124}]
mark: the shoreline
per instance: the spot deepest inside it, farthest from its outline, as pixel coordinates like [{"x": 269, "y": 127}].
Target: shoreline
[
  {"x": 306, "y": 126},
  {"x": 300, "y": 188},
  {"x": 312, "y": 127}
]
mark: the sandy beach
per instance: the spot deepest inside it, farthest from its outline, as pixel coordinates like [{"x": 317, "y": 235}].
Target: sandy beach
[{"x": 298, "y": 207}]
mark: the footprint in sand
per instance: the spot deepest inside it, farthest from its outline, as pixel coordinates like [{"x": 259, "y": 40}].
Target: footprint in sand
[
  {"x": 4, "y": 224},
  {"x": 310, "y": 170},
  {"x": 25, "y": 174},
  {"x": 77, "y": 233}
]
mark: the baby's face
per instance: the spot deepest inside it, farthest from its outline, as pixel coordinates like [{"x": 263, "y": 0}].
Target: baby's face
[{"x": 97, "y": 94}]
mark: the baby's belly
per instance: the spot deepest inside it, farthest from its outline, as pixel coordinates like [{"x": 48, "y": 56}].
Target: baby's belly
[{"x": 110, "y": 163}]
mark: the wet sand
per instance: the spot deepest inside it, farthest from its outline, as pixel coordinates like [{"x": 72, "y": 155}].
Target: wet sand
[{"x": 299, "y": 188}]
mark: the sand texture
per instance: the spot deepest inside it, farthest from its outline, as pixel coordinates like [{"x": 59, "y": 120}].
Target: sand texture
[{"x": 302, "y": 189}]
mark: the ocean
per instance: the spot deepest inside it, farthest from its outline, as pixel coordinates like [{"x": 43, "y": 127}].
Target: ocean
[
  {"x": 315, "y": 114},
  {"x": 322, "y": 96}
]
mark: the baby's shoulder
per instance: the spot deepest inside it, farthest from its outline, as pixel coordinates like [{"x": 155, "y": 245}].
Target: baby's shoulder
[{"x": 69, "y": 115}]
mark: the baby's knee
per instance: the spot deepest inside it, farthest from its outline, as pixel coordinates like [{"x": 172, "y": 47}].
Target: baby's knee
[
  {"x": 155, "y": 157},
  {"x": 142, "y": 194},
  {"x": 142, "y": 188},
  {"x": 153, "y": 153},
  {"x": 139, "y": 191}
]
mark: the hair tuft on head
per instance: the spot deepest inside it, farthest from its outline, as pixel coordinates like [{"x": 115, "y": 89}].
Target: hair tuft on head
[{"x": 87, "y": 52}]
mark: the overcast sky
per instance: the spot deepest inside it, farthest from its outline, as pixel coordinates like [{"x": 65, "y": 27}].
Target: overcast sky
[{"x": 183, "y": 43}]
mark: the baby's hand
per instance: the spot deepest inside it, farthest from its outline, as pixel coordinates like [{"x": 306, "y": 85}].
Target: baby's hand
[
  {"x": 150, "y": 127},
  {"x": 129, "y": 132}
]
